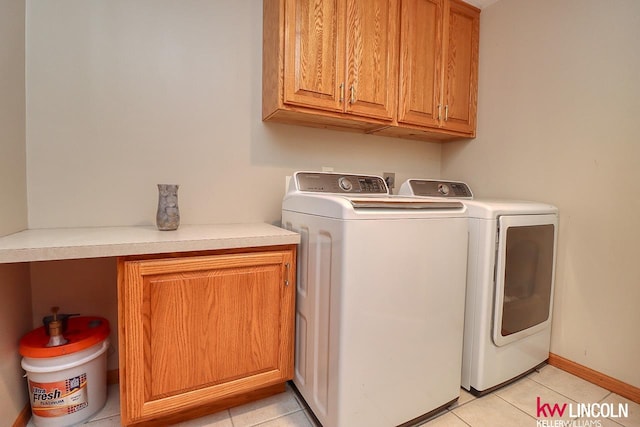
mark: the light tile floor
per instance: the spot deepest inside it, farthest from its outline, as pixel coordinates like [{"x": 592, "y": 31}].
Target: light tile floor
[{"x": 512, "y": 406}]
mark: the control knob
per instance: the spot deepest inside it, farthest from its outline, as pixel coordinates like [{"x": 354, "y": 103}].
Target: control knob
[
  {"x": 345, "y": 184},
  {"x": 443, "y": 189}
]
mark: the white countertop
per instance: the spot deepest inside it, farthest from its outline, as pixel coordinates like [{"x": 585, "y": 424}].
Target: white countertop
[{"x": 96, "y": 242}]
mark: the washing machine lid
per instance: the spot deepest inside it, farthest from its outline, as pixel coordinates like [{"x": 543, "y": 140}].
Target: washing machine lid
[
  {"x": 399, "y": 202},
  {"x": 359, "y": 207},
  {"x": 350, "y": 196}
]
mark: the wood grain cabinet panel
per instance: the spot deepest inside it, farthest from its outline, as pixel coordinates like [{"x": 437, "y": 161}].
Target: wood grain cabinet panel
[
  {"x": 314, "y": 54},
  {"x": 371, "y": 58},
  {"x": 197, "y": 330},
  {"x": 461, "y": 67},
  {"x": 421, "y": 62}
]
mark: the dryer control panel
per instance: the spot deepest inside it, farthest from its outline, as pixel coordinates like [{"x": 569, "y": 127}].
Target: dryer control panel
[
  {"x": 435, "y": 188},
  {"x": 326, "y": 182}
]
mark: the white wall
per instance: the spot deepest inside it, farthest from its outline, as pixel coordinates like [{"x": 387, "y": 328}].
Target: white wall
[
  {"x": 559, "y": 109},
  {"x": 124, "y": 95},
  {"x": 13, "y": 184},
  {"x": 15, "y": 315},
  {"x": 15, "y": 321}
]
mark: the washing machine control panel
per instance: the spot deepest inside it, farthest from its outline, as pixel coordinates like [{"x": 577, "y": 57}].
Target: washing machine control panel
[{"x": 327, "y": 182}]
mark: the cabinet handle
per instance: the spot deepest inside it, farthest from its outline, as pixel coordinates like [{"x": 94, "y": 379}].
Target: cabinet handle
[
  {"x": 341, "y": 93},
  {"x": 439, "y": 111},
  {"x": 287, "y": 266},
  {"x": 446, "y": 112},
  {"x": 352, "y": 100}
]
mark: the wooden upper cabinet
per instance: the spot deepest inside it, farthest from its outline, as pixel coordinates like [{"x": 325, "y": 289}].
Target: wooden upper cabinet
[
  {"x": 405, "y": 68},
  {"x": 439, "y": 64},
  {"x": 372, "y": 28},
  {"x": 461, "y": 67},
  {"x": 314, "y": 53},
  {"x": 421, "y": 62}
]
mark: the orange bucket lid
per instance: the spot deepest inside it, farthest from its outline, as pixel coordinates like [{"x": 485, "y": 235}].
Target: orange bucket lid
[{"x": 82, "y": 333}]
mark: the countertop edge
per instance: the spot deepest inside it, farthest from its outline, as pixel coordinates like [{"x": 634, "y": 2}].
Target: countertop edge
[{"x": 60, "y": 244}]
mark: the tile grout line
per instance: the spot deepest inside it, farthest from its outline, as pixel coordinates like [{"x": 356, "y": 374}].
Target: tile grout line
[
  {"x": 610, "y": 419},
  {"x": 278, "y": 417},
  {"x": 459, "y": 405},
  {"x": 524, "y": 412},
  {"x": 456, "y": 415},
  {"x": 609, "y": 394},
  {"x": 299, "y": 408},
  {"x": 553, "y": 390}
]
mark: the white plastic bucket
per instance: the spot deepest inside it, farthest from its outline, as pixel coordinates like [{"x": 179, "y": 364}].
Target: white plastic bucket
[{"x": 69, "y": 389}]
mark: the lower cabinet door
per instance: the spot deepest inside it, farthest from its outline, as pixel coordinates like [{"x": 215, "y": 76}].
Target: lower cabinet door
[{"x": 195, "y": 330}]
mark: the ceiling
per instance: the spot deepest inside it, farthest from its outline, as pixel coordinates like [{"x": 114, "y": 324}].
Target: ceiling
[{"x": 481, "y": 3}]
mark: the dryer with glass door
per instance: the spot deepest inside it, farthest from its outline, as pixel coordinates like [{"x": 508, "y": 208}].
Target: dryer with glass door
[{"x": 510, "y": 283}]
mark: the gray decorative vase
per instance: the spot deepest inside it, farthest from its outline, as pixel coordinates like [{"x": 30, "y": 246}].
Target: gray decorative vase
[{"x": 168, "y": 216}]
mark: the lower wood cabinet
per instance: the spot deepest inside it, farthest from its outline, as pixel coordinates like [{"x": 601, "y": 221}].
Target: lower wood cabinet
[{"x": 204, "y": 332}]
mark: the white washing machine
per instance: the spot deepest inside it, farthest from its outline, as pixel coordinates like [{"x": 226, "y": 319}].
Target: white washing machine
[
  {"x": 510, "y": 283},
  {"x": 380, "y": 300}
]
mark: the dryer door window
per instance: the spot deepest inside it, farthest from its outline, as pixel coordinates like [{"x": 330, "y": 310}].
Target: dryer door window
[{"x": 524, "y": 276}]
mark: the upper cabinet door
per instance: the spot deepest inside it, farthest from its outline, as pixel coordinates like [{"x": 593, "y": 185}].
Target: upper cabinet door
[
  {"x": 420, "y": 62},
  {"x": 462, "y": 30},
  {"x": 372, "y": 34},
  {"x": 314, "y": 53}
]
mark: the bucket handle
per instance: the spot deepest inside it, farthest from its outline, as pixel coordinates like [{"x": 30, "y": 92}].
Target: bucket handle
[{"x": 86, "y": 359}]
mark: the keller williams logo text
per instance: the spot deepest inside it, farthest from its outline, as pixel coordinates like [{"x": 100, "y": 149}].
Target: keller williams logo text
[{"x": 581, "y": 410}]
